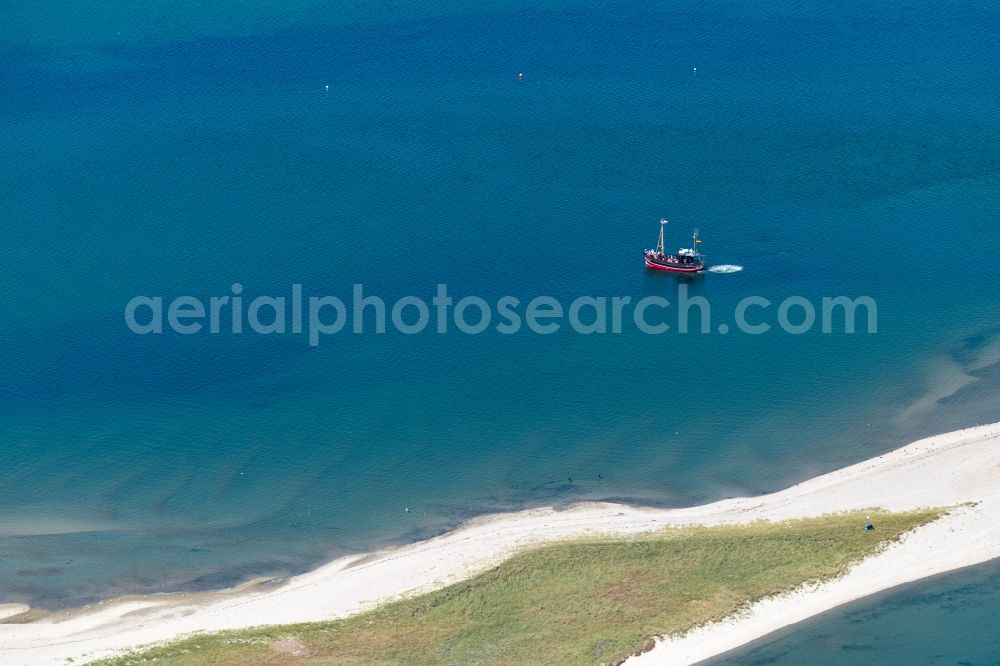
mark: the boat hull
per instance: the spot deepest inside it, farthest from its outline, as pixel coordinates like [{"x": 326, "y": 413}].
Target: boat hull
[{"x": 675, "y": 268}]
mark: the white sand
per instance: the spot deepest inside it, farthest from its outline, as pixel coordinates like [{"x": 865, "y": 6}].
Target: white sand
[
  {"x": 10, "y": 610},
  {"x": 963, "y": 466}
]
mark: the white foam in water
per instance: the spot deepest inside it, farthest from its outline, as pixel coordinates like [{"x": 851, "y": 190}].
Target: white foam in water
[{"x": 725, "y": 268}]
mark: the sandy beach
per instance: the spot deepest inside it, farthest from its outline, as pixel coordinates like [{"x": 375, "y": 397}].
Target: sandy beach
[{"x": 950, "y": 469}]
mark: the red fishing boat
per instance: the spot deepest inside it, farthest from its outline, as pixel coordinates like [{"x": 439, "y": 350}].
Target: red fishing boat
[{"x": 687, "y": 260}]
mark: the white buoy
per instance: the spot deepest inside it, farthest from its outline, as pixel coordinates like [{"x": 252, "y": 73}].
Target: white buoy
[
  {"x": 328, "y": 88},
  {"x": 694, "y": 71}
]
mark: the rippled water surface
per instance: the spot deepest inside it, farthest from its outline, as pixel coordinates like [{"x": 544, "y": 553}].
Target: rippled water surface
[{"x": 167, "y": 151}]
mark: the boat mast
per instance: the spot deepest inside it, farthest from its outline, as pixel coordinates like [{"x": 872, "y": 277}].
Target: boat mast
[
  {"x": 660, "y": 248},
  {"x": 694, "y": 242}
]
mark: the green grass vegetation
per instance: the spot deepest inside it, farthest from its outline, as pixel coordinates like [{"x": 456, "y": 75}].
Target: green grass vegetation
[{"x": 586, "y": 601}]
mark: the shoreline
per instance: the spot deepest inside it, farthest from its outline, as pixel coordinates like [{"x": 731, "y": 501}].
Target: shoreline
[{"x": 944, "y": 470}]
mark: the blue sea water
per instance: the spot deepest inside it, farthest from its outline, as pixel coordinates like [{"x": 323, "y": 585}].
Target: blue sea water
[
  {"x": 949, "y": 619},
  {"x": 829, "y": 149}
]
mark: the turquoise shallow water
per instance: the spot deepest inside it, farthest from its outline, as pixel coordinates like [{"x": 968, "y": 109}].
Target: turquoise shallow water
[{"x": 826, "y": 150}]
